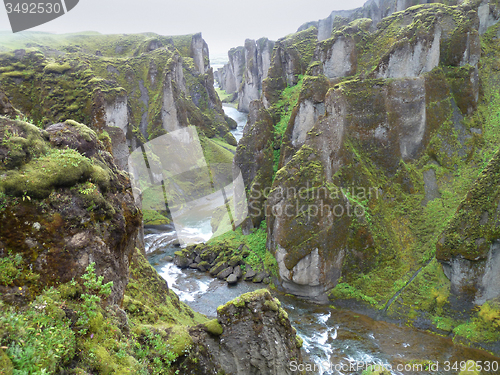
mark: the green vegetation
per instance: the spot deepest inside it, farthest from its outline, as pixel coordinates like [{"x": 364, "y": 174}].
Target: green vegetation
[
  {"x": 213, "y": 326},
  {"x": 259, "y": 258},
  {"x": 13, "y": 271},
  {"x": 223, "y": 96},
  {"x": 485, "y": 327},
  {"x": 69, "y": 327},
  {"x": 283, "y": 107},
  {"x": 57, "y": 68},
  {"x": 151, "y": 217},
  {"x": 38, "y": 177}
]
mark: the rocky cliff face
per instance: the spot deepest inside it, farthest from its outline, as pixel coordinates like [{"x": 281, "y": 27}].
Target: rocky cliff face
[
  {"x": 136, "y": 99},
  {"x": 329, "y": 123},
  {"x": 255, "y": 159},
  {"x": 65, "y": 204},
  {"x": 469, "y": 247},
  {"x": 374, "y": 131},
  {"x": 247, "y": 68}
]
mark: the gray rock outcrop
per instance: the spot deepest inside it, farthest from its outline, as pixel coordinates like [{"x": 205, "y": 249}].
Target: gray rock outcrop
[
  {"x": 248, "y": 66},
  {"x": 252, "y": 335}
]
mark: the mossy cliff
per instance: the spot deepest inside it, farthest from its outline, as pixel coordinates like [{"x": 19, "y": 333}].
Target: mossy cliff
[
  {"x": 379, "y": 134},
  {"x": 64, "y": 204},
  {"x": 130, "y": 89},
  {"x": 239, "y": 341},
  {"x": 145, "y": 85},
  {"x": 376, "y": 11}
]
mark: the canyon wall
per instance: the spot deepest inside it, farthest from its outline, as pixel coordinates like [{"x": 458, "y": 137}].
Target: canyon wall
[
  {"x": 247, "y": 68},
  {"x": 378, "y": 132}
]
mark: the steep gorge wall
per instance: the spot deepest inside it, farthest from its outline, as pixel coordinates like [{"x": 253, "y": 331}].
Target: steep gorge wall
[
  {"x": 247, "y": 68},
  {"x": 377, "y": 135},
  {"x": 163, "y": 84},
  {"x": 376, "y": 10}
]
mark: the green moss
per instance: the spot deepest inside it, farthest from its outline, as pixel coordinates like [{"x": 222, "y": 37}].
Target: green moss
[
  {"x": 88, "y": 134},
  {"x": 38, "y": 177},
  {"x": 259, "y": 258},
  {"x": 467, "y": 227},
  {"x": 5, "y": 363},
  {"x": 484, "y": 327},
  {"x": 151, "y": 217},
  {"x": 179, "y": 340},
  {"x": 245, "y": 298},
  {"x": 346, "y": 291},
  {"x": 57, "y": 68},
  {"x": 429, "y": 291},
  {"x": 151, "y": 291},
  {"x": 38, "y": 338},
  {"x": 272, "y": 305},
  {"x": 13, "y": 269},
  {"x": 214, "y": 327},
  {"x": 223, "y": 96}
]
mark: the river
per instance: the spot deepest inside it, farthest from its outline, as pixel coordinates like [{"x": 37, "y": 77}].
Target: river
[
  {"x": 239, "y": 117},
  {"x": 334, "y": 340}
]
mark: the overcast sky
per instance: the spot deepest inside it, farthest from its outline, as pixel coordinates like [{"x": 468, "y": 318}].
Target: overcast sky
[{"x": 224, "y": 23}]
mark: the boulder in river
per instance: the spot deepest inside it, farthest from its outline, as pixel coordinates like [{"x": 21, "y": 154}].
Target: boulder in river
[
  {"x": 260, "y": 277},
  {"x": 181, "y": 261},
  {"x": 218, "y": 268},
  {"x": 237, "y": 272},
  {"x": 232, "y": 279},
  {"x": 222, "y": 275}
]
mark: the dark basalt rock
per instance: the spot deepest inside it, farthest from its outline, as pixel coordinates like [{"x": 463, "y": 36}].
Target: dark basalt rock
[
  {"x": 260, "y": 277},
  {"x": 75, "y": 216},
  {"x": 181, "y": 261},
  {"x": 237, "y": 272}
]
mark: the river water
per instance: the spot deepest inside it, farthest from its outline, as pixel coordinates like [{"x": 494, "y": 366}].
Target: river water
[
  {"x": 335, "y": 341},
  {"x": 239, "y": 117}
]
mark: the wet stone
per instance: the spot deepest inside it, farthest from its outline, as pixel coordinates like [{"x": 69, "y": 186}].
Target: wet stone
[
  {"x": 232, "y": 279},
  {"x": 237, "y": 272},
  {"x": 203, "y": 266},
  {"x": 215, "y": 270},
  {"x": 260, "y": 277},
  {"x": 181, "y": 261},
  {"x": 225, "y": 273}
]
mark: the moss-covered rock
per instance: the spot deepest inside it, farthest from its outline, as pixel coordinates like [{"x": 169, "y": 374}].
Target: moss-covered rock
[
  {"x": 214, "y": 327},
  {"x": 64, "y": 198},
  {"x": 245, "y": 327},
  {"x": 291, "y": 57}
]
